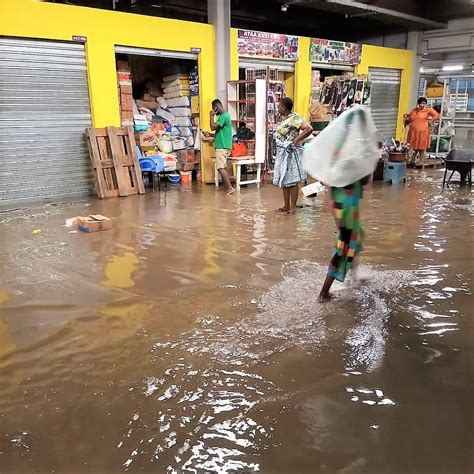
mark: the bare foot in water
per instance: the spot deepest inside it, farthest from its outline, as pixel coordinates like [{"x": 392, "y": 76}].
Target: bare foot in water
[
  {"x": 324, "y": 298},
  {"x": 232, "y": 191},
  {"x": 281, "y": 209}
]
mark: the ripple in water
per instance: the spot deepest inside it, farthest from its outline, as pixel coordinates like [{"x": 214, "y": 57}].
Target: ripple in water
[{"x": 202, "y": 412}]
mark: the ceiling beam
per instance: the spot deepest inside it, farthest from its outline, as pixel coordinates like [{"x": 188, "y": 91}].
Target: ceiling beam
[{"x": 365, "y": 8}]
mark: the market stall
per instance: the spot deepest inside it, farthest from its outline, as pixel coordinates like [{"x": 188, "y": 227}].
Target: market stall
[
  {"x": 272, "y": 57},
  {"x": 159, "y": 97},
  {"x": 331, "y": 58}
]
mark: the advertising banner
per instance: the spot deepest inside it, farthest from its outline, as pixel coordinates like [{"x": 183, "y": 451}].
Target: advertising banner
[
  {"x": 256, "y": 44},
  {"x": 335, "y": 52}
]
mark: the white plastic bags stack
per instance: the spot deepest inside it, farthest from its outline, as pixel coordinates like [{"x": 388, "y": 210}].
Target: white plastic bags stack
[{"x": 345, "y": 151}]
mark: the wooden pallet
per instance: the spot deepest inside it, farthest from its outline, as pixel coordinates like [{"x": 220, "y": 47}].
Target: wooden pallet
[{"x": 114, "y": 159}]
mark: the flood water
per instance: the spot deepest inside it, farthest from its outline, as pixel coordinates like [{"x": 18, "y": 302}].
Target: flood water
[{"x": 188, "y": 338}]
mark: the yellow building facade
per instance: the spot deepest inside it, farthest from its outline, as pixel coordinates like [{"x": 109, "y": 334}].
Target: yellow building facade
[{"x": 105, "y": 29}]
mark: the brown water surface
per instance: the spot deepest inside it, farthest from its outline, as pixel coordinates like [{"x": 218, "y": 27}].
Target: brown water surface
[{"x": 188, "y": 338}]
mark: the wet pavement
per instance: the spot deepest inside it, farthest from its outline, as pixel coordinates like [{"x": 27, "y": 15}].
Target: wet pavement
[{"x": 188, "y": 338}]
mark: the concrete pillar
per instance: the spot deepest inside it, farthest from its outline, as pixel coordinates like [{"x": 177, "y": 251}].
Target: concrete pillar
[
  {"x": 414, "y": 44},
  {"x": 218, "y": 12}
]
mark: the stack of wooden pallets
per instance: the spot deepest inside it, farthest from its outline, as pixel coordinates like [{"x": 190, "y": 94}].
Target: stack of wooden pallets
[{"x": 114, "y": 160}]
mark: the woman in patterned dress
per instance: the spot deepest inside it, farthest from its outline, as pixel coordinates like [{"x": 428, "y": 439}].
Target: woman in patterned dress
[{"x": 288, "y": 170}]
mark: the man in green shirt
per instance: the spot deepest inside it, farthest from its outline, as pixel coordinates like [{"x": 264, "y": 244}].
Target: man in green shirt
[{"x": 222, "y": 141}]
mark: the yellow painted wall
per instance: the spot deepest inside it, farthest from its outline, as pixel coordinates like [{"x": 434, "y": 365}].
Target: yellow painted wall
[
  {"x": 234, "y": 56},
  {"x": 377, "y": 56},
  {"x": 289, "y": 84},
  {"x": 105, "y": 29},
  {"x": 303, "y": 78}
]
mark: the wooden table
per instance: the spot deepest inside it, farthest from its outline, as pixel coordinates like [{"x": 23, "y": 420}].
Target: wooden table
[{"x": 239, "y": 162}]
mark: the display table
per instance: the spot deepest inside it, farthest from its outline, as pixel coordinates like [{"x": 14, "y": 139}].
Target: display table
[{"x": 239, "y": 162}]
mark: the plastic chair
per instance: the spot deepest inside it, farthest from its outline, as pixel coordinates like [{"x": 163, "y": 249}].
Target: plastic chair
[{"x": 148, "y": 166}]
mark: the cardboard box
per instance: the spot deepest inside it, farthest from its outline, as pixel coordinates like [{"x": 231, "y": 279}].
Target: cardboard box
[
  {"x": 146, "y": 138},
  {"x": 94, "y": 223},
  {"x": 123, "y": 75}
]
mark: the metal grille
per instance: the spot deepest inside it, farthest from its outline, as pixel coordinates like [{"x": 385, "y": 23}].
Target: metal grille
[
  {"x": 44, "y": 109},
  {"x": 385, "y": 95}
]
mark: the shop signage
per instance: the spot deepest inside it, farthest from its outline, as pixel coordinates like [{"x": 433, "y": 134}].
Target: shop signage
[
  {"x": 256, "y": 44},
  {"x": 334, "y": 52},
  {"x": 79, "y": 39}
]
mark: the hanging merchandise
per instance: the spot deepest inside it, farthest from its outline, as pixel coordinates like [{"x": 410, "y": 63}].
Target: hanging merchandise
[{"x": 340, "y": 92}]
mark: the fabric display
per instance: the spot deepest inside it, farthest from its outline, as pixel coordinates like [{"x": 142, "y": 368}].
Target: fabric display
[{"x": 338, "y": 93}]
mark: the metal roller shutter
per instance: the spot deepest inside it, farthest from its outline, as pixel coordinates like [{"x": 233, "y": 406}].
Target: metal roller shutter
[
  {"x": 158, "y": 53},
  {"x": 385, "y": 95},
  {"x": 44, "y": 109},
  {"x": 255, "y": 63}
]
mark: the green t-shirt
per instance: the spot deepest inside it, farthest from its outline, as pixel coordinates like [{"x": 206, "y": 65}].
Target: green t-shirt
[{"x": 223, "y": 138}]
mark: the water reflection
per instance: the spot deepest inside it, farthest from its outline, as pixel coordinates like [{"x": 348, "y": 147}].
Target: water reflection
[{"x": 189, "y": 338}]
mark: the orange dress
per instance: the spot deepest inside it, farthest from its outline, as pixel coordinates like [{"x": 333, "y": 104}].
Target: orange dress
[{"x": 419, "y": 132}]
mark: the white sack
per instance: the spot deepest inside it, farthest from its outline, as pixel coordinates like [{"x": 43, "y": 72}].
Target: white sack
[
  {"x": 179, "y": 102},
  {"x": 345, "y": 151}
]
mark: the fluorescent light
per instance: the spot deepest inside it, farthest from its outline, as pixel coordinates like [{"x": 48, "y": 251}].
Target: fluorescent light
[
  {"x": 453, "y": 67},
  {"x": 422, "y": 70}
]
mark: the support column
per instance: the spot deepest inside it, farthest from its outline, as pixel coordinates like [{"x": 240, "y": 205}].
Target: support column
[
  {"x": 218, "y": 12},
  {"x": 414, "y": 44}
]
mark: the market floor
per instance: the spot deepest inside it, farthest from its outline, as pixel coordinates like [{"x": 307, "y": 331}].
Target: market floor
[{"x": 188, "y": 338}]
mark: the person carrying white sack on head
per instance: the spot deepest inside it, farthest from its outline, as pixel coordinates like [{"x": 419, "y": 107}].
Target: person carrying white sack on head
[{"x": 344, "y": 156}]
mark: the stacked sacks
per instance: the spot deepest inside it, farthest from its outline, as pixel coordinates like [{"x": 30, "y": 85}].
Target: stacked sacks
[{"x": 174, "y": 86}]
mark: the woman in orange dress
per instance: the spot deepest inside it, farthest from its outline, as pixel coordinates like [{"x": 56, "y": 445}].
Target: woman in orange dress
[{"x": 419, "y": 132}]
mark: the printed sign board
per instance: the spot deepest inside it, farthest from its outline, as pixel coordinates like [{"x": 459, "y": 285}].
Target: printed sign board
[
  {"x": 256, "y": 44},
  {"x": 335, "y": 52}
]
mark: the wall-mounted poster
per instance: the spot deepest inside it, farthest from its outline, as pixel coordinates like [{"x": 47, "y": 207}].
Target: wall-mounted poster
[
  {"x": 256, "y": 44},
  {"x": 337, "y": 52}
]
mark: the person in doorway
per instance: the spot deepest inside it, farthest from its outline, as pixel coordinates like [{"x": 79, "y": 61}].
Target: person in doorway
[
  {"x": 345, "y": 203},
  {"x": 419, "y": 131},
  {"x": 222, "y": 141},
  {"x": 288, "y": 170}
]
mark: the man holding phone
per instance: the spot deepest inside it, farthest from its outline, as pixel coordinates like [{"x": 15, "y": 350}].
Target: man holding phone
[{"x": 222, "y": 141}]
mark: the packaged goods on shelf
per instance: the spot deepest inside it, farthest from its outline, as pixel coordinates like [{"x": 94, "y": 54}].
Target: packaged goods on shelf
[
  {"x": 179, "y": 144},
  {"x": 183, "y": 122},
  {"x": 169, "y": 117},
  {"x": 186, "y": 131},
  {"x": 175, "y": 82},
  {"x": 181, "y": 111},
  {"x": 178, "y": 102},
  {"x": 181, "y": 88},
  {"x": 173, "y": 77},
  {"x": 195, "y": 104},
  {"x": 174, "y": 95},
  {"x": 146, "y": 138},
  {"x": 170, "y": 161}
]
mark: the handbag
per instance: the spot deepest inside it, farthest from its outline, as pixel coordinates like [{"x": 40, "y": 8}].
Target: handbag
[{"x": 238, "y": 149}]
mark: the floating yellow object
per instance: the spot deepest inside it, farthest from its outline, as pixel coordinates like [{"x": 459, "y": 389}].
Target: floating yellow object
[{"x": 37, "y": 231}]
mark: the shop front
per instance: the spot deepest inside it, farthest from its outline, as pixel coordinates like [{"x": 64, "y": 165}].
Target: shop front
[
  {"x": 62, "y": 77},
  {"x": 269, "y": 56}
]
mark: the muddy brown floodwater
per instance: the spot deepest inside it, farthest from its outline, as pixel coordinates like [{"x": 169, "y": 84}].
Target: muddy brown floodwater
[{"x": 188, "y": 338}]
